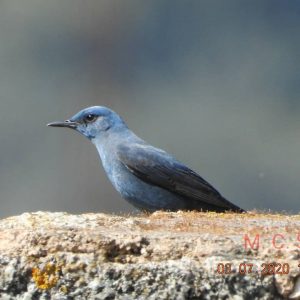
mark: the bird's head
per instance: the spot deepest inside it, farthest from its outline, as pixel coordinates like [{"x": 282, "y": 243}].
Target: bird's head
[{"x": 92, "y": 122}]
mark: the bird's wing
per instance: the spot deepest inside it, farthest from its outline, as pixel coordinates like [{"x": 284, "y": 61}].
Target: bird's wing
[{"x": 157, "y": 167}]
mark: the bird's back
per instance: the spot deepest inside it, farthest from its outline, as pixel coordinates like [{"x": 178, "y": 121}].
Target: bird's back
[
  {"x": 158, "y": 168},
  {"x": 152, "y": 179}
]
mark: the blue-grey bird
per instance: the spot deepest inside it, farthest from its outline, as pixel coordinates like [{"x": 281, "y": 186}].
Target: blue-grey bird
[{"x": 147, "y": 177}]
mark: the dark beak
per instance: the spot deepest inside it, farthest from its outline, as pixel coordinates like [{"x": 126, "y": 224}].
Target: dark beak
[{"x": 67, "y": 123}]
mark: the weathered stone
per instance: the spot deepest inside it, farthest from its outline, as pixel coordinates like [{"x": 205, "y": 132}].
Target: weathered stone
[{"x": 159, "y": 256}]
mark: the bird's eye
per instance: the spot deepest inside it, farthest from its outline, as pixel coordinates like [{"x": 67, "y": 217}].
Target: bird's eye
[{"x": 90, "y": 118}]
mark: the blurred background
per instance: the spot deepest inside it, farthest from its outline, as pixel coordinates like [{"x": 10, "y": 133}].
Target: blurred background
[{"x": 215, "y": 83}]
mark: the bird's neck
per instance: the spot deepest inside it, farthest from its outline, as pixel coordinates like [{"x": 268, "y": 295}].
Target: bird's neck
[{"x": 108, "y": 141}]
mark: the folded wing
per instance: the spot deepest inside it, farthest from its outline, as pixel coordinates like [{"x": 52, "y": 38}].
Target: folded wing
[{"x": 157, "y": 167}]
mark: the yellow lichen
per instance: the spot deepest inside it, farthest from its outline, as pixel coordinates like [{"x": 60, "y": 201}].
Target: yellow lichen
[
  {"x": 63, "y": 289},
  {"x": 47, "y": 277}
]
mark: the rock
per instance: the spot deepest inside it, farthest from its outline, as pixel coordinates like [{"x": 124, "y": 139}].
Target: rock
[{"x": 182, "y": 255}]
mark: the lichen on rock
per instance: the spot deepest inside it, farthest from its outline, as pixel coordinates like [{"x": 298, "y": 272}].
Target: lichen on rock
[{"x": 182, "y": 255}]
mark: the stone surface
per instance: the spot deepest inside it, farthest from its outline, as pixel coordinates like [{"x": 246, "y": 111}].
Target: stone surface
[{"x": 183, "y": 255}]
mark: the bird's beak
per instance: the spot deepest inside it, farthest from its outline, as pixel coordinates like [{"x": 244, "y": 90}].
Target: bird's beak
[{"x": 67, "y": 123}]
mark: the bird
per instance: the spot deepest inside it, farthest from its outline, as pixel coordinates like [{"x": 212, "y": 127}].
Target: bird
[{"x": 147, "y": 177}]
